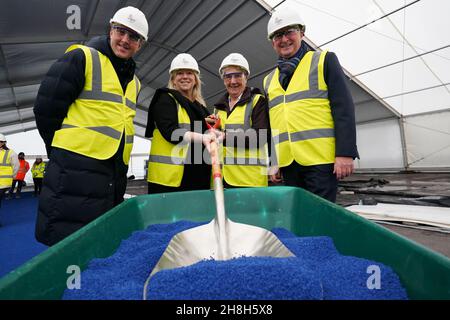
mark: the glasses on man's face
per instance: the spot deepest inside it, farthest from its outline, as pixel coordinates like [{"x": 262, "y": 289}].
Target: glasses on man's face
[
  {"x": 236, "y": 75},
  {"x": 133, "y": 36},
  {"x": 277, "y": 36}
]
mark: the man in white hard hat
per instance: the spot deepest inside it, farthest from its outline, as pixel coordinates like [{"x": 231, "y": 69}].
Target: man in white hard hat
[
  {"x": 311, "y": 110},
  {"x": 9, "y": 165},
  {"x": 84, "y": 113},
  {"x": 243, "y": 116}
]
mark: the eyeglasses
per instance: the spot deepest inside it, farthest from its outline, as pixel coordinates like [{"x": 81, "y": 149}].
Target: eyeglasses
[
  {"x": 288, "y": 33},
  {"x": 236, "y": 75},
  {"x": 133, "y": 36}
]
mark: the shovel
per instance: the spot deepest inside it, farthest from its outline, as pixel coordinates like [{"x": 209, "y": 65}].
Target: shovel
[{"x": 220, "y": 239}]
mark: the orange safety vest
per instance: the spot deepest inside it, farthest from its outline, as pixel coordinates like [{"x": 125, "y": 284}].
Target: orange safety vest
[{"x": 23, "y": 169}]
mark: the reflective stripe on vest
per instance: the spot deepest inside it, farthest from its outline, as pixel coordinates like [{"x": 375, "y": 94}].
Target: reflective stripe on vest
[
  {"x": 166, "y": 160},
  {"x": 107, "y": 131},
  {"x": 6, "y": 170},
  {"x": 245, "y": 161},
  {"x": 243, "y": 167},
  {"x": 5, "y": 160},
  {"x": 300, "y": 117},
  {"x": 101, "y": 113}
]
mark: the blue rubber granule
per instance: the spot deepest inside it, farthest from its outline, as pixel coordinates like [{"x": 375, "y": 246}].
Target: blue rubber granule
[
  {"x": 317, "y": 272},
  {"x": 237, "y": 279}
]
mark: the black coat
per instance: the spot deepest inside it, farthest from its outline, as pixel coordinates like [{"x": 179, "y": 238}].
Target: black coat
[{"x": 76, "y": 189}]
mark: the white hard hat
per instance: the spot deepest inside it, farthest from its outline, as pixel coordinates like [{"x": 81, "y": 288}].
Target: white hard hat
[
  {"x": 184, "y": 61},
  {"x": 235, "y": 59},
  {"x": 132, "y": 18},
  {"x": 284, "y": 17},
  {"x": 2, "y": 137}
]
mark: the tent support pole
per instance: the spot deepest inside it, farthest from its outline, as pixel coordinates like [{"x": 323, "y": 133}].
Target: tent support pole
[{"x": 401, "y": 122}]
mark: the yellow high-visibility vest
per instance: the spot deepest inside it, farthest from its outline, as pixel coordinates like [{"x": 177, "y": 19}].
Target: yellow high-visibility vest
[
  {"x": 166, "y": 161},
  {"x": 300, "y": 117},
  {"x": 243, "y": 167},
  {"x": 101, "y": 114},
  {"x": 6, "y": 169},
  {"x": 38, "y": 170}
]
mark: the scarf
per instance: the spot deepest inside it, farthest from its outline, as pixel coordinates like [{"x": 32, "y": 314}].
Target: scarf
[{"x": 288, "y": 66}]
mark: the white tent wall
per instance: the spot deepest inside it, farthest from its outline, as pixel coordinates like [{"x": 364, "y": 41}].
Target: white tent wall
[
  {"x": 427, "y": 139},
  {"x": 402, "y": 60},
  {"x": 418, "y": 142},
  {"x": 380, "y": 146}
]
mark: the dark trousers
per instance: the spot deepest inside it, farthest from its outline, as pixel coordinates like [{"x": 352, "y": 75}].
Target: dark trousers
[
  {"x": 37, "y": 186},
  {"x": 2, "y": 192},
  {"x": 159, "y": 188},
  {"x": 19, "y": 187},
  {"x": 195, "y": 177},
  {"x": 318, "y": 179}
]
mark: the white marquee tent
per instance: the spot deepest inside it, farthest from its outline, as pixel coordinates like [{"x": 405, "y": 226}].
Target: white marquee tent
[{"x": 396, "y": 54}]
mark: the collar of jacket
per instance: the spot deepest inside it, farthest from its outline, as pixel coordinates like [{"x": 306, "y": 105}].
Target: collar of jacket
[
  {"x": 222, "y": 104},
  {"x": 194, "y": 108}
]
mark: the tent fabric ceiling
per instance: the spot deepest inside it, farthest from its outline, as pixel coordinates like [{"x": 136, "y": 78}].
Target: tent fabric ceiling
[
  {"x": 35, "y": 33},
  {"x": 403, "y": 56},
  {"x": 401, "y": 51}
]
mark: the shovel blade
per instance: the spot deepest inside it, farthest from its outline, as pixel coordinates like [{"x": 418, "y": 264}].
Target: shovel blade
[{"x": 203, "y": 243}]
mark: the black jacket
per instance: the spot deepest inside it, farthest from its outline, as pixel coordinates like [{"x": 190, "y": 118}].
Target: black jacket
[
  {"x": 76, "y": 189},
  {"x": 163, "y": 114}
]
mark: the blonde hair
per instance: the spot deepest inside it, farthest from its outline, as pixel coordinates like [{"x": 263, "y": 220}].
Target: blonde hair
[{"x": 196, "y": 91}]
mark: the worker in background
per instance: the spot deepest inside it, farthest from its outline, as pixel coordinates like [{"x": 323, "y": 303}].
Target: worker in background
[
  {"x": 84, "y": 113},
  {"x": 19, "y": 179},
  {"x": 244, "y": 118},
  {"x": 176, "y": 121},
  {"x": 311, "y": 111},
  {"x": 37, "y": 170},
  {"x": 9, "y": 165}
]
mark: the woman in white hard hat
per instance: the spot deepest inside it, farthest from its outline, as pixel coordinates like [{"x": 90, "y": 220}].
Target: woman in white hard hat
[
  {"x": 9, "y": 165},
  {"x": 176, "y": 121},
  {"x": 244, "y": 117}
]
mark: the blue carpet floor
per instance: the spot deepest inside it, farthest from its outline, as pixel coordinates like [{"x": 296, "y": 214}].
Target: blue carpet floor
[{"x": 17, "y": 242}]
